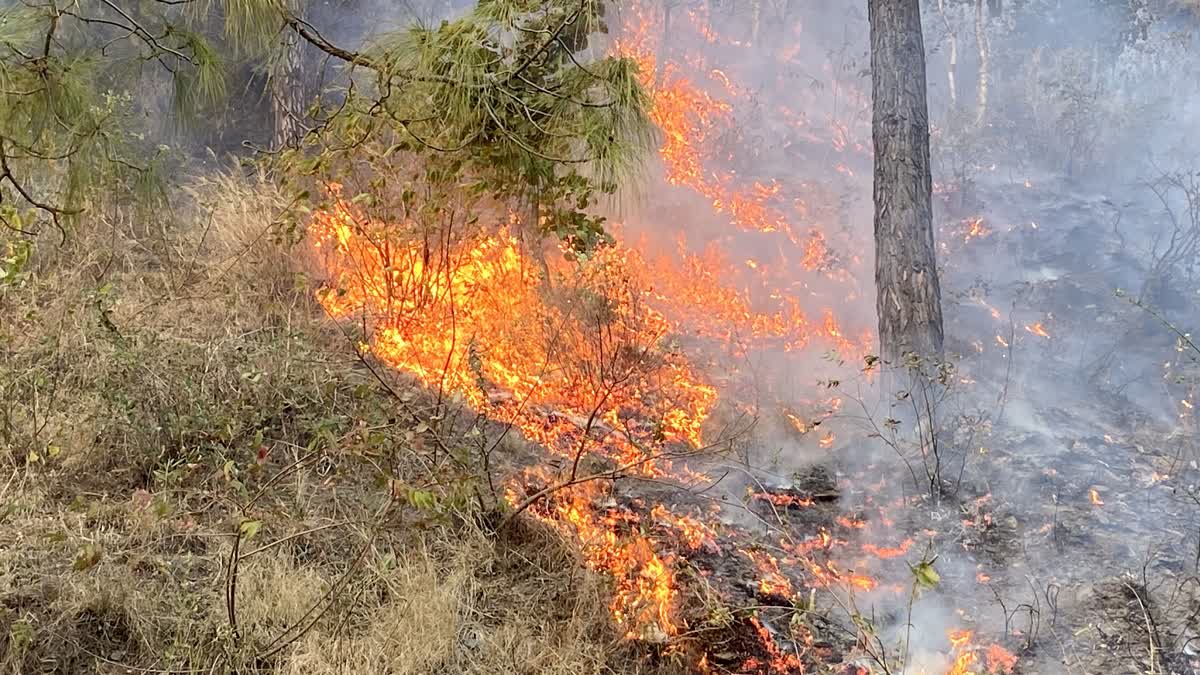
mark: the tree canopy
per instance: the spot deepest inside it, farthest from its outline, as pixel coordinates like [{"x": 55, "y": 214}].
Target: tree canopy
[{"x": 510, "y": 94}]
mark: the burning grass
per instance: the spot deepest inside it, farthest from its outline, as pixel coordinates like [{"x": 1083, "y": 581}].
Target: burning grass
[
  {"x": 156, "y": 385},
  {"x": 614, "y": 365}
]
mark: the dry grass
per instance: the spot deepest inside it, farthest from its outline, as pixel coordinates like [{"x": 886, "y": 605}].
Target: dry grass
[{"x": 145, "y": 369}]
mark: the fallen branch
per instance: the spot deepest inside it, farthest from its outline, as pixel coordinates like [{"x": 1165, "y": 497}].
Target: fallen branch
[{"x": 614, "y": 474}]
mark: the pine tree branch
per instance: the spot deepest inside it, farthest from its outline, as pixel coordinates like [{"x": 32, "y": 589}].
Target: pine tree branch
[
  {"x": 310, "y": 34},
  {"x": 554, "y": 37},
  {"x": 146, "y": 35},
  {"x": 55, "y": 212},
  {"x": 50, "y": 33}
]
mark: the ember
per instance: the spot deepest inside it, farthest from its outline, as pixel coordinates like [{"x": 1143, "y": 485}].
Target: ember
[{"x": 1037, "y": 329}]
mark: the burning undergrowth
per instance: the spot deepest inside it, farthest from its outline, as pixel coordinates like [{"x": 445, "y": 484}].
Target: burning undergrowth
[
  {"x": 638, "y": 360},
  {"x": 705, "y": 428}
]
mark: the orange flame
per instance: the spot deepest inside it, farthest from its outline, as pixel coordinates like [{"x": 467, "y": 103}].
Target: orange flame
[
  {"x": 1037, "y": 329},
  {"x": 476, "y": 319}
]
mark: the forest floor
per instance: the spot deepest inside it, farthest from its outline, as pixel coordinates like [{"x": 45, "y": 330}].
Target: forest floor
[
  {"x": 173, "y": 401},
  {"x": 1088, "y": 470},
  {"x": 193, "y": 449}
]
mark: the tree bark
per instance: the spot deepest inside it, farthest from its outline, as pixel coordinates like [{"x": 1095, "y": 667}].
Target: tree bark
[
  {"x": 984, "y": 63},
  {"x": 287, "y": 94},
  {"x": 906, "y": 279}
]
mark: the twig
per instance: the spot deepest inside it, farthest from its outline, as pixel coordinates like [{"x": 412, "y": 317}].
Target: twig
[
  {"x": 231, "y": 580},
  {"x": 281, "y": 540},
  {"x": 6, "y": 173},
  {"x": 280, "y": 643},
  {"x": 613, "y": 474},
  {"x": 1150, "y": 632}
]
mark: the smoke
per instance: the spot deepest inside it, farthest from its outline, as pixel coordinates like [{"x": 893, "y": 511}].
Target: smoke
[
  {"x": 1058, "y": 455},
  {"x": 1042, "y": 214}
]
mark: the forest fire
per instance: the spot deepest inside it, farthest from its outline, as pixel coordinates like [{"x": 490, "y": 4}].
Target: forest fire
[
  {"x": 971, "y": 660},
  {"x": 735, "y": 337},
  {"x": 582, "y": 358}
]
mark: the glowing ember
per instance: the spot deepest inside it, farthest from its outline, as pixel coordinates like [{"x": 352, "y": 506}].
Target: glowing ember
[
  {"x": 780, "y": 662},
  {"x": 695, "y": 534},
  {"x": 965, "y": 657},
  {"x": 771, "y": 582},
  {"x": 973, "y": 228},
  {"x": 850, "y": 524},
  {"x": 959, "y": 638},
  {"x": 1094, "y": 496},
  {"x": 999, "y": 660},
  {"x": 894, "y": 552},
  {"x": 797, "y": 423},
  {"x": 783, "y": 500},
  {"x": 1037, "y": 329}
]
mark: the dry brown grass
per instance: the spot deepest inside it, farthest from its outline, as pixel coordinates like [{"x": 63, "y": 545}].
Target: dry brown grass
[{"x": 142, "y": 367}]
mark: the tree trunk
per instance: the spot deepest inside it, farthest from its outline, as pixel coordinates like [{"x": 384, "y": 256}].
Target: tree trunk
[
  {"x": 984, "y": 62},
  {"x": 909, "y": 296},
  {"x": 287, "y": 93}
]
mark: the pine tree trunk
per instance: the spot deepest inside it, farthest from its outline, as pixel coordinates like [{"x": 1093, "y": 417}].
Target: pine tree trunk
[
  {"x": 909, "y": 296},
  {"x": 984, "y": 63},
  {"x": 287, "y": 94}
]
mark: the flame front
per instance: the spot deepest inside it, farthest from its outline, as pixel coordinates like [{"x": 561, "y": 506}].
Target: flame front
[{"x": 584, "y": 355}]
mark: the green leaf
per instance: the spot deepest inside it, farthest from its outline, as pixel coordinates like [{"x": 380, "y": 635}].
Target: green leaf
[
  {"x": 925, "y": 575},
  {"x": 249, "y": 528},
  {"x": 20, "y": 636},
  {"x": 422, "y": 499}
]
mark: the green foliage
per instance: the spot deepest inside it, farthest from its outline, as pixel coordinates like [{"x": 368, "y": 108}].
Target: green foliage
[
  {"x": 15, "y": 258},
  {"x": 502, "y": 104},
  {"x": 925, "y": 577},
  {"x": 507, "y": 103},
  {"x": 249, "y": 528},
  {"x": 20, "y": 636},
  {"x": 77, "y": 85}
]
